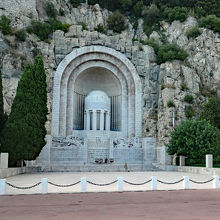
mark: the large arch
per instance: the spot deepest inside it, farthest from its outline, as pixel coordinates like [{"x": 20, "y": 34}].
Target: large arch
[{"x": 77, "y": 62}]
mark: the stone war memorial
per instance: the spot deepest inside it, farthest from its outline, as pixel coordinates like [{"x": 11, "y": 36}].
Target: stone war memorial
[
  {"x": 114, "y": 90},
  {"x": 97, "y": 114}
]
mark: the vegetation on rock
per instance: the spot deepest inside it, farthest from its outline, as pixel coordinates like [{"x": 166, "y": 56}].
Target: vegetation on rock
[
  {"x": 76, "y": 3},
  {"x": 154, "y": 11},
  {"x": 189, "y": 112},
  {"x": 176, "y": 13},
  {"x": 51, "y": 10},
  {"x": 193, "y": 32},
  {"x": 189, "y": 99},
  {"x": 101, "y": 29},
  {"x": 24, "y": 132},
  {"x": 21, "y": 35},
  {"x": 170, "y": 104},
  {"x": 5, "y": 25},
  {"x": 116, "y": 22},
  {"x": 44, "y": 29},
  {"x": 211, "y": 22},
  {"x": 169, "y": 52}
]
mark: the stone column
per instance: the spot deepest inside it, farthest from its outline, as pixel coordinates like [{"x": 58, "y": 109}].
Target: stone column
[
  {"x": 209, "y": 161},
  {"x": 94, "y": 120},
  {"x": 87, "y": 120},
  {"x": 102, "y": 120},
  {"x": 182, "y": 161},
  {"x": 107, "y": 121}
]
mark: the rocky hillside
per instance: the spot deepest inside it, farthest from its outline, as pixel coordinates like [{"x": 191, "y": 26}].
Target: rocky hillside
[{"x": 177, "y": 87}]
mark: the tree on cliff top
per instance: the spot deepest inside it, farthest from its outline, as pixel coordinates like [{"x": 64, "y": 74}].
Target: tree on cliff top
[{"x": 24, "y": 132}]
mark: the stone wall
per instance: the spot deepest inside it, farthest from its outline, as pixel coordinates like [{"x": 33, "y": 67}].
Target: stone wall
[
  {"x": 200, "y": 72},
  {"x": 5, "y": 173}
]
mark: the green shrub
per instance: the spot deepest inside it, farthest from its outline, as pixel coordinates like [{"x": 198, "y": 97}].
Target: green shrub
[
  {"x": 189, "y": 98},
  {"x": 211, "y": 112},
  {"x": 194, "y": 139},
  {"x": 183, "y": 87},
  {"x": 100, "y": 28},
  {"x": 125, "y": 5},
  {"x": 140, "y": 48},
  {"x": 193, "y": 32},
  {"x": 84, "y": 26},
  {"x": 21, "y": 35},
  {"x": 5, "y": 25},
  {"x": 36, "y": 52},
  {"x": 138, "y": 7},
  {"x": 169, "y": 52},
  {"x": 152, "y": 43},
  {"x": 189, "y": 112},
  {"x": 65, "y": 27},
  {"x": 61, "y": 12},
  {"x": 50, "y": 10},
  {"x": 76, "y": 3},
  {"x": 44, "y": 29},
  {"x": 211, "y": 22},
  {"x": 151, "y": 15},
  {"x": 116, "y": 22},
  {"x": 170, "y": 104},
  {"x": 176, "y": 13},
  {"x": 41, "y": 29},
  {"x": 148, "y": 29},
  {"x": 54, "y": 24}
]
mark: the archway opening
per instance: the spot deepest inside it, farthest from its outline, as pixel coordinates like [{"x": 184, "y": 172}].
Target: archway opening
[{"x": 101, "y": 79}]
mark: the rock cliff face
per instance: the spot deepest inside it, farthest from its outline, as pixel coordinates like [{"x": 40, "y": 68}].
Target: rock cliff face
[{"x": 198, "y": 75}]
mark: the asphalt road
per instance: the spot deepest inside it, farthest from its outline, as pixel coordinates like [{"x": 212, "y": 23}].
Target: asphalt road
[{"x": 172, "y": 205}]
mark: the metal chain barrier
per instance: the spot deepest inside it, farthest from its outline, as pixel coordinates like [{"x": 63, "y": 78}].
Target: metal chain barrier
[
  {"x": 168, "y": 183},
  {"x": 104, "y": 184},
  {"x": 23, "y": 187},
  {"x": 137, "y": 184},
  {"x": 208, "y": 181},
  {"x": 65, "y": 185}
]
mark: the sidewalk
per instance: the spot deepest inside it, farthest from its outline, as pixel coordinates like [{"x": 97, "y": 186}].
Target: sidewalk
[{"x": 102, "y": 178}]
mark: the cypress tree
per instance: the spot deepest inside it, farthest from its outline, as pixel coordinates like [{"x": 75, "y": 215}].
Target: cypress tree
[
  {"x": 24, "y": 132},
  {"x": 3, "y": 116}
]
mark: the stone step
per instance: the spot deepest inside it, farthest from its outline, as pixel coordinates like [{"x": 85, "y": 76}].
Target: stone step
[
  {"x": 68, "y": 167},
  {"x": 97, "y": 153}
]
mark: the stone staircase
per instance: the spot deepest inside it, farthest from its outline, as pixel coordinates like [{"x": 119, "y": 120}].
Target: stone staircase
[
  {"x": 68, "y": 167},
  {"x": 97, "y": 153}
]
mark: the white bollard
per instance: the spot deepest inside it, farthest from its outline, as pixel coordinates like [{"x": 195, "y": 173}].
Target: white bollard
[
  {"x": 83, "y": 184},
  {"x": 209, "y": 160},
  {"x": 120, "y": 184},
  {"x": 182, "y": 160},
  {"x": 2, "y": 186},
  {"x": 3, "y": 160},
  {"x": 216, "y": 182},
  {"x": 185, "y": 182},
  {"x": 44, "y": 186},
  {"x": 154, "y": 183}
]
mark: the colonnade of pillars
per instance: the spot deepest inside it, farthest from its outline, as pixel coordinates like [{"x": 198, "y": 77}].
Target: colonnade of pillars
[{"x": 97, "y": 120}]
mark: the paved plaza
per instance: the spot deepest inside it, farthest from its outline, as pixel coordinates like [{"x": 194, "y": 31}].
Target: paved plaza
[
  {"x": 102, "y": 178},
  {"x": 152, "y": 205}
]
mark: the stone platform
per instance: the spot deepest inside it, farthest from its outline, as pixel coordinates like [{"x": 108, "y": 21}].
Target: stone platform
[{"x": 96, "y": 168}]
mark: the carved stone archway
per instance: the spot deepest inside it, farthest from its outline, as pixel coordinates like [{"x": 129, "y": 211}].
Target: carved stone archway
[{"x": 76, "y": 63}]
